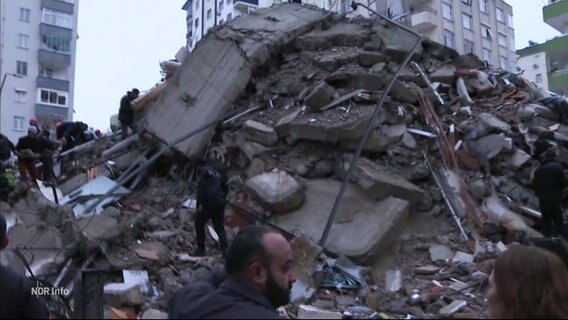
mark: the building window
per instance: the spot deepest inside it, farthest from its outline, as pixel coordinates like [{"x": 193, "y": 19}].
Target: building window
[
  {"x": 466, "y": 21},
  {"x": 512, "y": 44},
  {"x": 486, "y": 32},
  {"x": 22, "y": 68},
  {"x": 221, "y": 5},
  {"x": 20, "y": 95},
  {"x": 468, "y": 46},
  {"x": 23, "y": 41},
  {"x": 19, "y": 123},
  {"x": 229, "y": 16},
  {"x": 483, "y": 6},
  {"x": 467, "y": 2},
  {"x": 55, "y": 43},
  {"x": 538, "y": 78},
  {"x": 499, "y": 15},
  {"x": 24, "y": 15},
  {"x": 513, "y": 66},
  {"x": 449, "y": 38},
  {"x": 502, "y": 40},
  {"x": 53, "y": 97},
  {"x": 503, "y": 63},
  {"x": 57, "y": 18},
  {"x": 209, "y": 14},
  {"x": 447, "y": 11},
  {"x": 486, "y": 54},
  {"x": 510, "y": 20}
]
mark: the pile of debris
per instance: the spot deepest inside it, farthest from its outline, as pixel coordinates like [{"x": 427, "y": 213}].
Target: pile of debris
[{"x": 280, "y": 99}]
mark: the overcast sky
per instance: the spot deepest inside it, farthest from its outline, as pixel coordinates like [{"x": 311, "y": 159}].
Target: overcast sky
[{"x": 121, "y": 43}]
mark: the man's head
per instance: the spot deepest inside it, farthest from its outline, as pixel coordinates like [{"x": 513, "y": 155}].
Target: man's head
[
  {"x": 32, "y": 132},
  {"x": 3, "y": 230},
  {"x": 261, "y": 257},
  {"x": 134, "y": 93}
]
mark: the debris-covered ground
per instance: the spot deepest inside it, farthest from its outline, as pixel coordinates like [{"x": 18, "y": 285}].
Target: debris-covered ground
[{"x": 437, "y": 193}]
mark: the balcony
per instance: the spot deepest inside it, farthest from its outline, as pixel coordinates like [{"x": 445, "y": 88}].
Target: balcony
[
  {"x": 423, "y": 19},
  {"x": 51, "y": 83},
  {"x": 53, "y": 59},
  {"x": 58, "y": 5},
  {"x": 46, "y": 112},
  {"x": 244, "y": 5},
  {"x": 556, "y": 15},
  {"x": 55, "y": 31}
]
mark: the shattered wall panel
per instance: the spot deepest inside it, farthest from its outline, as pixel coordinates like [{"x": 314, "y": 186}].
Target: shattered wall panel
[{"x": 218, "y": 70}]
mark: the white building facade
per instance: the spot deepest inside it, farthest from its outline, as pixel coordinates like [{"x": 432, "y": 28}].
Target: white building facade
[
  {"x": 38, "y": 40},
  {"x": 535, "y": 68}
]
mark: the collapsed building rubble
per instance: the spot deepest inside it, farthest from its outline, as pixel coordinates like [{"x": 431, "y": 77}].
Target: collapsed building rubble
[{"x": 280, "y": 99}]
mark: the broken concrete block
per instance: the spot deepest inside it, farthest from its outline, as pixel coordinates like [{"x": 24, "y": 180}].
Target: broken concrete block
[
  {"x": 309, "y": 312},
  {"x": 153, "y": 251},
  {"x": 123, "y": 294},
  {"x": 487, "y": 147},
  {"x": 277, "y": 190},
  {"x": 100, "y": 227},
  {"x": 357, "y": 214},
  {"x": 529, "y": 111},
  {"x": 408, "y": 141},
  {"x": 453, "y": 307},
  {"x": 154, "y": 314},
  {"x": 488, "y": 123},
  {"x": 463, "y": 257},
  {"x": 379, "y": 67},
  {"x": 368, "y": 59},
  {"x": 255, "y": 167},
  {"x": 356, "y": 80},
  {"x": 332, "y": 60},
  {"x": 440, "y": 252},
  {"x": 321, "y": 96},
  {"x": 427, "y": 270},
  {"x": 393, "y": 280},
  {"x": 251, "y": 149},
  {"x": 380, "y": 139},
  {"x": 518, "y": 159},
  {"x": 341, "y": 34},
  {"x": 260, "y": 133},
  {"x": 379, "y": 182},
  {"x": 446, "y": 74}
]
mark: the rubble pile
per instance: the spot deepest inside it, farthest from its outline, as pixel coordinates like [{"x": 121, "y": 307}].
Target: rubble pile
[{"x": 308, "y": 81}]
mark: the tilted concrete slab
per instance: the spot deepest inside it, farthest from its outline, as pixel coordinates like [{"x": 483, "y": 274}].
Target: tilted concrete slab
[
  {"x": 363, "y": 228},
  {"x": 218, "y": 70}
]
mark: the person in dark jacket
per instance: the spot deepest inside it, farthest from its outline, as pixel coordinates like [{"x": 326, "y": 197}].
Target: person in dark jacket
[
  {"x": 28, "y": 150},
  {"x": 16, "y": 299},
  {"x": 47, "y": 147},
  {"x": 549, "y": 183},
  {"x": 211, "y": 201},
  {"x": 6, "y": 148},
  {"x": 260, "y": 278},
  {"x": 6, "y": 185},
  {"x": 126, "y": 113},
  {"x": 70, "y": 134}
]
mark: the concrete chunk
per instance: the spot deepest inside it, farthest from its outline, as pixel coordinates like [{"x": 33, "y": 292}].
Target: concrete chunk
[
  {"x": 100, "y": 227},
  {"x": 453, "y": 307},
  {"x": 489, "y": 123},
  {"x": 356, "y": 80},
  {"x": 446, "y": 74},
  {"x": 123, "y": 294},
  {"x": 322, "y": 95},
  {"x": 309, "y": 312},
  {"x": 249, "y": 148},
  {"x": 260, "y": 133},
  {"x": 154, "y": 314},
  {"x": 368, "y": 59},
  {"x": 380, "y": 222},
  {"x": 378, "y": 182},
  {"x": 380, "y": 139},
  {"x": 518, "y": 158},
  {"x": 277, "y": 190}
]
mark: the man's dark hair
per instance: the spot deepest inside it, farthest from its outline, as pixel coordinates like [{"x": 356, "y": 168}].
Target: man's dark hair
[
  {"x": 135, "y": 91},
  {"x": 3, "y": 227},
  {"x": 247, "y": 247}
]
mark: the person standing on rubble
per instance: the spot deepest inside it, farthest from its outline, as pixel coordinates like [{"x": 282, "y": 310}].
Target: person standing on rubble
[
  {"x": 47, "y": 147},
  {"x": 6, "y": 148},
  {"x": 28, "y": 150},
  {"x": 126, "y": 113},
  {"x": 70, "y": 134},
  {"x": 16, "y": 299},
  {"x": 212, "y": 193},
  {"x": 549, "y": 183},
  {"x": 260, "y": 275}
]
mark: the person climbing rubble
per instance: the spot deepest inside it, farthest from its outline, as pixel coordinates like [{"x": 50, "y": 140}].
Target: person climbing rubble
[
  {"x": 549, "y": 183},
  {"x": 211, "y": 201},
  {"x": 48, "y": 148},
  {"x": 6, "y": 148},
  {"x": 260, "y": 277},
  {"x": 16, "y": 299},
  {"x": 28, "y": 150},
  {"x": 70, "y": 134},
  {"x": 126, "y": 113}
]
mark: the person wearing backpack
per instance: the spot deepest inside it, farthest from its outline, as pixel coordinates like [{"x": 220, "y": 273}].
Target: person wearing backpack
[{"x": 211, "y": 201}]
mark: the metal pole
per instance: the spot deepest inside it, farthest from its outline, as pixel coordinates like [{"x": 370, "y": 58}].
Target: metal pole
[
  {"x": 353, "y": 163},
  {"x": 150, "y": 161}
]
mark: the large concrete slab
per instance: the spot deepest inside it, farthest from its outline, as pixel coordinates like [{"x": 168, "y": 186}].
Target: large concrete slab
[
  {"x": 363, "y": 228},
  {"x": 217, "y": 71}
]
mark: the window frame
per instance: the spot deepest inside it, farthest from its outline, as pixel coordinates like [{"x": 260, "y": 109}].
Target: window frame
[
  {"x": 504, "y": 38},
  {"x": 25, "y": 38},
  {"x": 51, "y": 93},
  {"x": 57, "y": 18},
  {"x": 25, "y": 14},
  {"x": 447, "y": 32},
  {"x": 467, "y": 41},
  {"x": 451, "y": 11},
  {"x": 20, "y": 95},
  {"x": 469, "y": 19},
  {"x": 500, "y": 15},
  {"x": 536, "y": 78},
  {"x": 209, "y": 14},
  {"x": 483, "y": 51},
  {"x": 484, "y": 6},
  {"x": 21, "y": 120},
  {"x": 55, "y": 44},
  {"x": 510, "y": 22},
  {"x": 467, "y": 2},
  {"x": 22, "y": 66},
  {"x": 503, "y": 62}
]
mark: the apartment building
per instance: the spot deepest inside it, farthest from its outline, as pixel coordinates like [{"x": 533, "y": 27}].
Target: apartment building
[
  {"x": 202, "y": 15},
  {"x": 546, "y": 64},
  {"x": 37, "y": 62}
]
